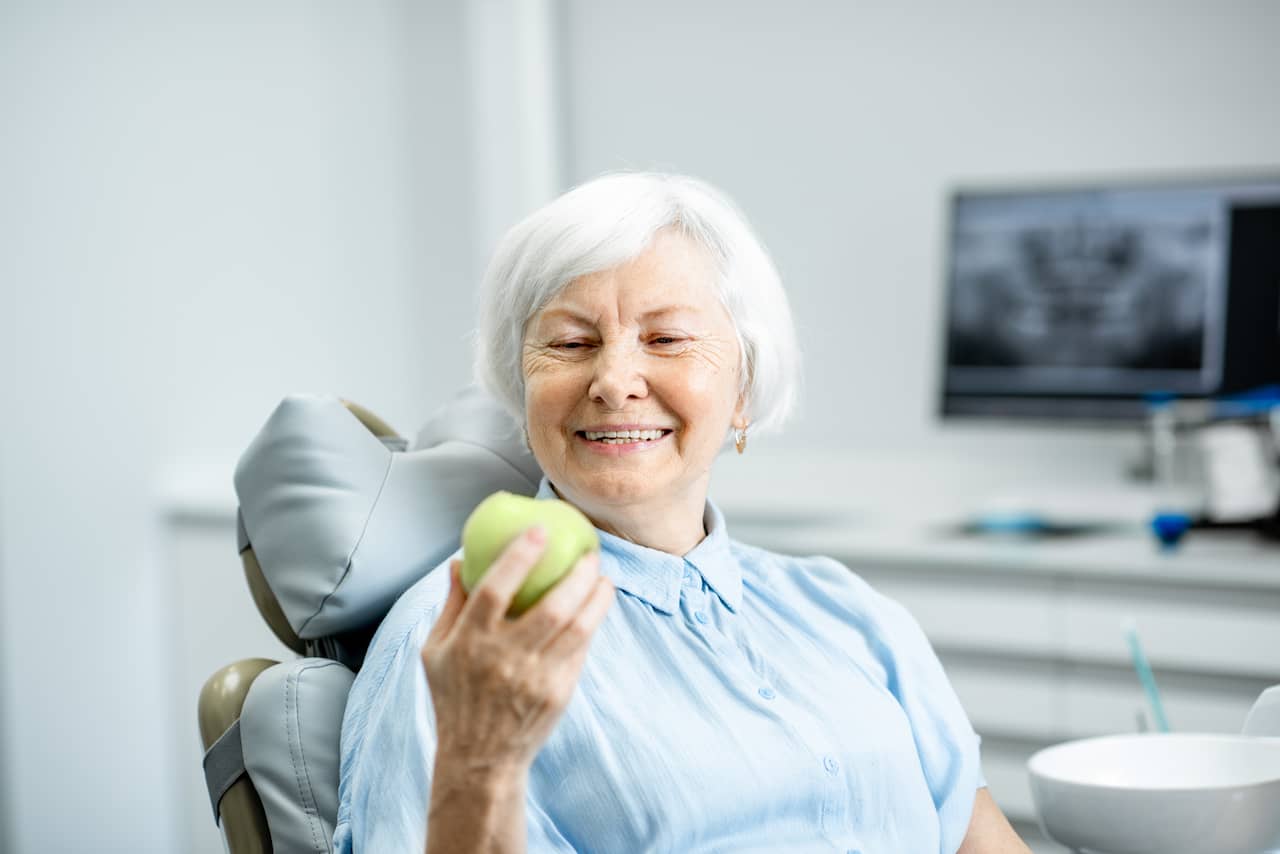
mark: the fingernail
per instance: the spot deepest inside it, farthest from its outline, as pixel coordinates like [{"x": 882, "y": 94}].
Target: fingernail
[{"x": 537, "y": 534}]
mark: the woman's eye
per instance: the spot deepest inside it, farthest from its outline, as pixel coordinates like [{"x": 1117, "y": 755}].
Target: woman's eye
[
  {"x": 569, "y": 345},
  {"x": 665, "y": 339}
]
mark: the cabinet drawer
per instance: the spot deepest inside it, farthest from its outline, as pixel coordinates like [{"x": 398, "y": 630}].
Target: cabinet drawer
[
  {"x": 1215, "y": 631},
  {"x": 1103, "y": 704},
  {"x": 1050, "y": 701},
  {"x": 978, "y": 612},
  {"x": 1013, "y": 699}
]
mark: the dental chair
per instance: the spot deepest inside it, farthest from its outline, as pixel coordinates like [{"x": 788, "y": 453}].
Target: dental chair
[{"x": 337, "y": 517}]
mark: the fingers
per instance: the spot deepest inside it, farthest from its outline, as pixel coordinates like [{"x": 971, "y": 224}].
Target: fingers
[
  {"x": 493, "y": 691},
  {"x": 547, "y": 618},
  {"x": 453, "y": 604},
  {"x": 572, "y": 641},
  {"x": 491, "y": 598}
]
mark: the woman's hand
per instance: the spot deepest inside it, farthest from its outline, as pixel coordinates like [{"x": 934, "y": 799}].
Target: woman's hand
[{"x": 499, "y": 685}]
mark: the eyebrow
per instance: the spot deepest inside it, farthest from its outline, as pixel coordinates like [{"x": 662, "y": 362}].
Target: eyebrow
[
  {"x": 669, "y": 309},
  {"x": 648, "y": 315}
]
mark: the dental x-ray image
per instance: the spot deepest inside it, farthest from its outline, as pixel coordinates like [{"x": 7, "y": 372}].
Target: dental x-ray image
[{"x": 1074, "y": 289}]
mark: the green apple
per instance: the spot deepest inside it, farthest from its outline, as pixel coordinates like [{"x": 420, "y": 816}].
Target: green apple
[{"x": 501, "y": 518}]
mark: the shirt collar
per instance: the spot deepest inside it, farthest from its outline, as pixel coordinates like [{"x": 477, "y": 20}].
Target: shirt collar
[{"x": 655, "y": 576}]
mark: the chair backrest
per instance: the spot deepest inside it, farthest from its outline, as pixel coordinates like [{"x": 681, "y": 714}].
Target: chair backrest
[{"x": 338, "y": 517}]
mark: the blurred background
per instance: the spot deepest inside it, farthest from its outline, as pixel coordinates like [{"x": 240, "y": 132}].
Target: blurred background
[{"x": 204, "y": 207}]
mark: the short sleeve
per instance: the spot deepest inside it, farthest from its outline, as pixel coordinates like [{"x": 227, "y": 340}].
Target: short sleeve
[
  {"x": 945, "y": 740},
  {"x": 388, "y": 754}
]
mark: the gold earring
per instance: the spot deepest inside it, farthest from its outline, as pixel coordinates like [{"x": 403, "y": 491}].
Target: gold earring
[{"x": 740, "y": 438}]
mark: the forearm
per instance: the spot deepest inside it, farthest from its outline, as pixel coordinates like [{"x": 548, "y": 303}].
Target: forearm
[
  {"x": 476, "y": 810},
  {"x": 989, "y": 831}
]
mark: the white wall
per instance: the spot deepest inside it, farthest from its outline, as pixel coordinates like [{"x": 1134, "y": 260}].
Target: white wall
[
  {"x": 203, "y": 208},
  {"x": 839, "y": 126}
]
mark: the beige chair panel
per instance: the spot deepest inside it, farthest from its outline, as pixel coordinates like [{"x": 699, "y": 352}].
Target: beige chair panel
[
  {"x": 244, "y": 823},
  {"x": 268, "y": 604}
]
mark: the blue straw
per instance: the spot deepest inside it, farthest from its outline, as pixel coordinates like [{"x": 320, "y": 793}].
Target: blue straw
[{"x": 1145, "y": 676}]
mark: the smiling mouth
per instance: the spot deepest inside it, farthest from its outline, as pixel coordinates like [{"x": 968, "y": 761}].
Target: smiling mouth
[{"x": 632, "y": 438}]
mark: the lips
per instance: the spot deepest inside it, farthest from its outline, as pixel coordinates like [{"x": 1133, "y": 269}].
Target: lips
[
  {"x": 619, "y": 445},
  {"x": 623, "y": 435}
]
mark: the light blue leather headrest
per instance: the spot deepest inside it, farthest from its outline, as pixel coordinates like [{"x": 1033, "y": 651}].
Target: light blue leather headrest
[{"x": 342, "y": 524}]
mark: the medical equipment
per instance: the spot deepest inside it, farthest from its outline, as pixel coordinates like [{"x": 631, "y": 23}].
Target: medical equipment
[
  {"x": 1075, "y": 302},
  {"x": 1145, "y": 676},
  {"x": 1165, "y": 793},
  {"x": 338, "y": 516}
]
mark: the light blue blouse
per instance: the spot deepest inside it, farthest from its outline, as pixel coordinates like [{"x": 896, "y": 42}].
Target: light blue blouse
[{"x": 732, "y": 700}]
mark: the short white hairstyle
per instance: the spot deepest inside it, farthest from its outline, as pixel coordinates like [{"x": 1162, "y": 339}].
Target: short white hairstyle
[{"x": 608, "y": 221}]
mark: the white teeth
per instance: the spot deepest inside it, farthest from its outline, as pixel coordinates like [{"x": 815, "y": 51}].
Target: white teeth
[{"x": 617, "y": 437}]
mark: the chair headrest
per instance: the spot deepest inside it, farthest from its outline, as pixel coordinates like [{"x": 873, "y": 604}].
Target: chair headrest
[{"x": 342, "y": 522}]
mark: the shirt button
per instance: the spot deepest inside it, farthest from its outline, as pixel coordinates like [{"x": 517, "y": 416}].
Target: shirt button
[
  {"x": 689, "y": 580},
  {"x": 832, "y": 766},
  {"x": 767, "y": 693},
  {"x": 700, "y": 617}
]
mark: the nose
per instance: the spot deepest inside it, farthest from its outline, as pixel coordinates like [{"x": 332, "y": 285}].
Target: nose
[{"x": 617, "y": 377}]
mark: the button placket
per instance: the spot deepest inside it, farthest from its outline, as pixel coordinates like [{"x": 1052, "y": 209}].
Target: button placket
[{"x": 692, "y": 594}]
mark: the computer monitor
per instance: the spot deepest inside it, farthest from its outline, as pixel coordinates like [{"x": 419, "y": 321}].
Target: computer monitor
[{"x": 1081, "y": 302}]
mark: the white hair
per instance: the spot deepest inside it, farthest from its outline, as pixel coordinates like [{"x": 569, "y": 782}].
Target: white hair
[{"x": 608, "y": 221}]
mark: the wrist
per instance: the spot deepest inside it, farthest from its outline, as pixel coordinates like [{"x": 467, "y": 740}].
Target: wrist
[
  {"x": 479, "y": 777},
  {"x": 476, "y": 806}
]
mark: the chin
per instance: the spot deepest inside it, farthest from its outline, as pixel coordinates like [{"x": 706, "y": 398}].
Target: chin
[{"x": 614, "y": 487}]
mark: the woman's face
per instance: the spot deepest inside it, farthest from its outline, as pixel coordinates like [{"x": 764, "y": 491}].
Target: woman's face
[{"x": 646, "y": 346}]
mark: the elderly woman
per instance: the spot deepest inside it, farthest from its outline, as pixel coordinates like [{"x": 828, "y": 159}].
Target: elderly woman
[{"x": 678, "y": 691}]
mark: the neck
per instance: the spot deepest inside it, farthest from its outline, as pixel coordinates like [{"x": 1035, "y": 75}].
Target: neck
[{"x": 672, "y": 526}]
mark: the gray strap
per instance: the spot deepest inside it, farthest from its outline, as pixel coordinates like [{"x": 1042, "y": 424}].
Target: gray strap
[
  {"x": 395, "y": 444},
  {"x": 223, "y": 765}
]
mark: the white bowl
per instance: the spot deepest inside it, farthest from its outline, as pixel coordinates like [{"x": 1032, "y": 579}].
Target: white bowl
[{"x": 1160, "y": 793}]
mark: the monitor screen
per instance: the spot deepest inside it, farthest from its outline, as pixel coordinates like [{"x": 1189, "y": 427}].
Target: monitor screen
[{"x": 1081, "y": 302}]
